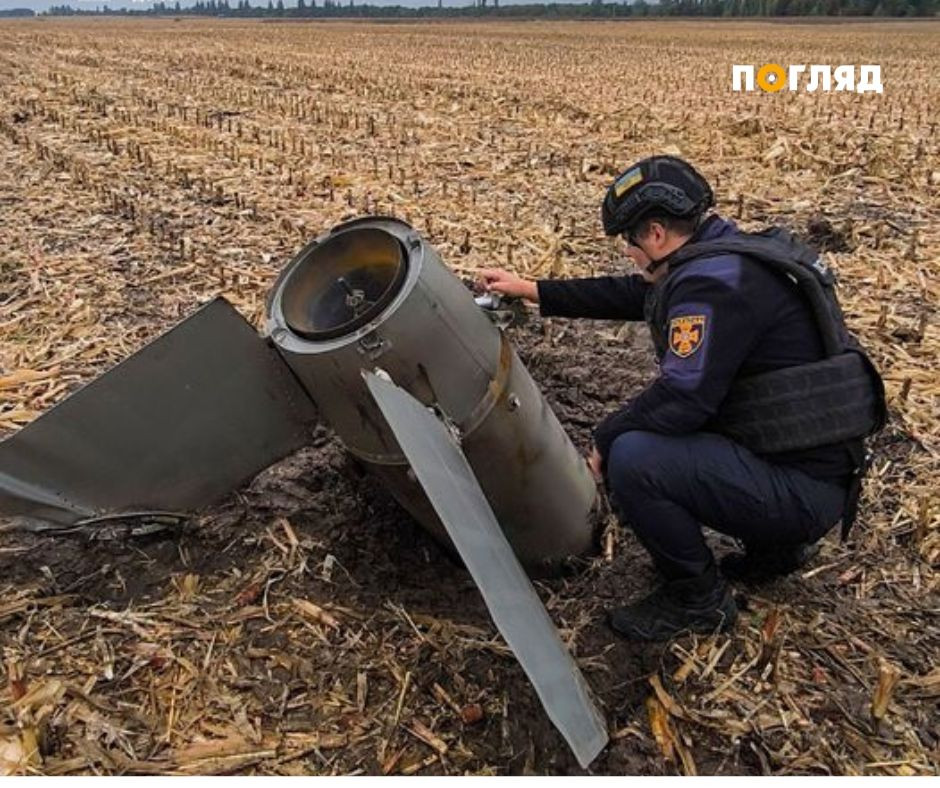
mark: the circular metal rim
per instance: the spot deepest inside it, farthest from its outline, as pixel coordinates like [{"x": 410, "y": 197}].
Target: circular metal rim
[
  {"x": 350, "y": 326},
  {"x": 276, "y": 326}
]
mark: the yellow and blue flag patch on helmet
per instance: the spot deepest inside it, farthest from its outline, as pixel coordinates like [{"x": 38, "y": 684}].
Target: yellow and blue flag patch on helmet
[{"x": 628, "y": 179}]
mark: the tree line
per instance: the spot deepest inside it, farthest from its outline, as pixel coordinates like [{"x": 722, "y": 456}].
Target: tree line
[{"x": 481, "y": 8}]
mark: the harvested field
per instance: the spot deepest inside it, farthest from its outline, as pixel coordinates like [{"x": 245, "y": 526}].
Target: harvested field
[{"x": 305, "y": 625}]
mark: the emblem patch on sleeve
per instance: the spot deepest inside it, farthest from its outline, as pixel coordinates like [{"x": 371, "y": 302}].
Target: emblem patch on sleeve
[{"x": 686, "y": 334}]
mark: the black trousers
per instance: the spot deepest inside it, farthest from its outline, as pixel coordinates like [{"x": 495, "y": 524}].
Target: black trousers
[{"x": 666, "y": 487}]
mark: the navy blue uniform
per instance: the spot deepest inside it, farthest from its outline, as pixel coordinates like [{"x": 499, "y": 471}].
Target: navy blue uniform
[{"x": 668, "y": 471}]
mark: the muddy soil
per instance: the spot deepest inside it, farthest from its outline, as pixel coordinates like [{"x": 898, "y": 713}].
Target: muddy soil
[{"x": 381, "y": 561}]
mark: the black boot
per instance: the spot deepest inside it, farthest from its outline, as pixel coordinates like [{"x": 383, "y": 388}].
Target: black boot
[
  {"x": 700, "y": 604},
  {"x": 760, "y": 564}
]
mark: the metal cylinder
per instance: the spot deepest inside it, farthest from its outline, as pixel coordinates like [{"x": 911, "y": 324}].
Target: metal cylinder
[{"x": 372, "y": 294}]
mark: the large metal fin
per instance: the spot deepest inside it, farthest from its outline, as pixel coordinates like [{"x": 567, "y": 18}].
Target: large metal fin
[
  {"x": 448, "y": 480},
  {"x": 175, "y": 426}
]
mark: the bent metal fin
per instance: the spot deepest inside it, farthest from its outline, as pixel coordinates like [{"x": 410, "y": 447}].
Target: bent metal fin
[
  {"x": 521, "y": 618},
  {"x": 177, "y": 425}
]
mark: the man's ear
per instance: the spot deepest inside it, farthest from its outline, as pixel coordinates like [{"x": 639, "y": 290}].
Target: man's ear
[{"x": 660, "y": 233}]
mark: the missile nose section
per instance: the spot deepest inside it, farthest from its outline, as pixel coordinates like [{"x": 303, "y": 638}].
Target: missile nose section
[{"x": 372, "y": 294}]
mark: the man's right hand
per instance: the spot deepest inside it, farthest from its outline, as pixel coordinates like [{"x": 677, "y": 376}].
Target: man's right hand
[{"x": 496, "y": 280}]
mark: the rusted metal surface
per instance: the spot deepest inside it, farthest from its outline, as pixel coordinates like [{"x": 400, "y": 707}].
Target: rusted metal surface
[
  {"x": 450, "y": 484},
  {"x": 175, "y": 426}
]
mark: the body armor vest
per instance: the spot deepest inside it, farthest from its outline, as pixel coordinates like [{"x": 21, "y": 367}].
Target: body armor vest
[{"x": 838, "y": 398}]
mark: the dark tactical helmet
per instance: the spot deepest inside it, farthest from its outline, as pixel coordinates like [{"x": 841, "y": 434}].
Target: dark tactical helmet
[{"x": 657, "y": 185}]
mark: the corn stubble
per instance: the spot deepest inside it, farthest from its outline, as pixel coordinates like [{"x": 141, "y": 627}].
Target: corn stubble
[{"x": 146, "y": 166}]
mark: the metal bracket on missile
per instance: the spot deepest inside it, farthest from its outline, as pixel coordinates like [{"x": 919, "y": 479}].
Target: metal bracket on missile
[
  {"x": 453, "y": 490},
  {"x": 503, "y": 311},
  {"x": 372, "y": 346},
  {"x": 177, "y": 425}
]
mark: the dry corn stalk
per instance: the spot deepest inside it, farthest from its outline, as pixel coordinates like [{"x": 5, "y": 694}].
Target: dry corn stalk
[
  {"x": 315, "y": 613},
  {"x": 888, "y": 677}
]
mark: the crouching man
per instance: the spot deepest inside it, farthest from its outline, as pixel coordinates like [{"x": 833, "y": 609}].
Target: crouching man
[{"x": 754, "y": 424}]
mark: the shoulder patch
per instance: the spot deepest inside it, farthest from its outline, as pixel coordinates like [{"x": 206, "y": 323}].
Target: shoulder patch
[{"x": 686, "y": 334}]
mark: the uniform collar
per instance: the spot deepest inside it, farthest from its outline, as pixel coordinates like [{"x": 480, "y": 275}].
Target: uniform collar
[{"x": 713, "y": 226}]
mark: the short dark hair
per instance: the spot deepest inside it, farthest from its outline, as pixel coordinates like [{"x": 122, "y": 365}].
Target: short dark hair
[{"x": 680, "y": 225}]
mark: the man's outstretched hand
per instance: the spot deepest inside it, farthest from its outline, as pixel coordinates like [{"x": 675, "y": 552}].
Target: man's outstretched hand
[{"x": 496, "y": 280}]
